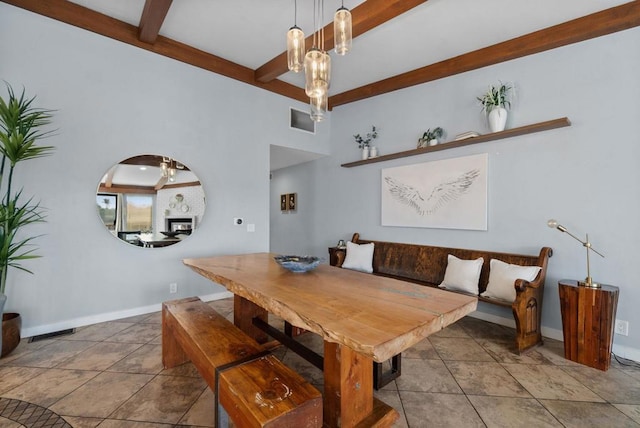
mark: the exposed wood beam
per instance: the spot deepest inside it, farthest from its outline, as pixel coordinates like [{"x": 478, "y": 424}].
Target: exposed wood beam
[
  {"x": 87, "y": 19},
  {"x": 364, "y": 17},
  {"x": 588, "y": 27},
  {"x": 153, "y": 15}
]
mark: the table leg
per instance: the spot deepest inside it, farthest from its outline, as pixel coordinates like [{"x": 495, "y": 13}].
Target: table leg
[{"x": 244, "y": 311}]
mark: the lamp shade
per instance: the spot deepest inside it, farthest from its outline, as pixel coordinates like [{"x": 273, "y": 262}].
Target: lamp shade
[
  {"x": 318, "y": 107},
  {"x": 342, "y": 31},
  {"x": 317, "y": 70},
  {"x": 295, "y": 49}
]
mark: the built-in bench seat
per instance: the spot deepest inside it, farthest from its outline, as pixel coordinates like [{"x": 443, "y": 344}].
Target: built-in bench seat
[{"x": 253, "y": 386}]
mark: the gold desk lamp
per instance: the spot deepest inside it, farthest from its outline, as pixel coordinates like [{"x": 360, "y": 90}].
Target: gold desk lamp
[{"x": 588, "y": 282}]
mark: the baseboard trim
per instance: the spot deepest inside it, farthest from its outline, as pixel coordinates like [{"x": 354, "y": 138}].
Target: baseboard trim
[{"x": 109, "y": 316}]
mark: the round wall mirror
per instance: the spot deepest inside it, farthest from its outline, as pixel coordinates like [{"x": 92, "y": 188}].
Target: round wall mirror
[{"x": 150, "y": 201}]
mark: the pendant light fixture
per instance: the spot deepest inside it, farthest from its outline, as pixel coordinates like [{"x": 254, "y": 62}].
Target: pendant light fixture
[
  {"x": 342, "y": 30},
  {"x": 295, "y": 44},
  {"x": 318, "y": 107},
  {"x": 317, "y": 66}
]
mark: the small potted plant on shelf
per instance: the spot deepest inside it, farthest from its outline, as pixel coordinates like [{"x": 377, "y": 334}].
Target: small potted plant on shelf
[
  {"x": 495, "y": 103},
  {"x": 430, "y": 138},
  {"x": 365, "y": 143}
]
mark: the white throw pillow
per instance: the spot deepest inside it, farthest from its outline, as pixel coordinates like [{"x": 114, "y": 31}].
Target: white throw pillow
[
  {"x": 359, "y": 257},
  {"x": 462, "y": 275},
  {"x": 502, "y": 277}
]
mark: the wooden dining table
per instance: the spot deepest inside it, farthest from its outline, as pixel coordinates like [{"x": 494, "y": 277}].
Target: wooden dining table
[{"x": 361, "y": 317}]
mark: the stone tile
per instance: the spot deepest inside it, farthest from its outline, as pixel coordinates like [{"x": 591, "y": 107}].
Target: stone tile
[
  {"x": 115, "y": 423},
  {"x": 99, "y": 332},
  {"x": 136, "y": 318},
  {"x": 53, "y": 354},
  {"x": 439, "y": 410},
  {"x": 485, "y": 378},
  {"x": 77, "y": 422},
  {"x": 511, "y": 412},
  {"x": 99, "y": 357},
  {"x": 553, "y": 351},
  {"x": 427, "y": 376},
  {"x": 157, "y": 340},
  {"x": 50, "y": 386},
  {"x": 312, "y": 341},
  {"x": 304, "y": 368},
  {"x": 505, "y": 352},
  {"x": 453, "y": 330},
  {"x": 154, "y": 318},
  {"x": 550, "y": 382},
  {"x": 186, "y": 369},
  {"x": 422, "y": 350},
  {"x": 24, "y": 348},
  {"x": 8, "y": 423},
  {"x": 11, "y": 377},
  {"x": 202, "y": 412},
  {"x": 163, "y": 400},
  {"x": 145, "y": 359},
  {"x": 137, "y": 333},
  {"x": 614, "y": 385},
  {"x": 459, "y": 349},
  {"x": 631, "y": 410},
  {"x": 99, "y": 397},
  {"x": 481, "y": 329},
  {"x": 585, "y": 415},
  {"x": 392, "y": 398}
]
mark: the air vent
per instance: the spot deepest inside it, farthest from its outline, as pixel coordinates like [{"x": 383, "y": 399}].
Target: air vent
[{"x": 301, "y": 120}]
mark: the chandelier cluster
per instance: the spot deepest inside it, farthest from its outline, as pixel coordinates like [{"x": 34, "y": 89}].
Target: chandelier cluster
[
  {"x": 316, "y": 62},
  {"x": 168, "y": 167}
]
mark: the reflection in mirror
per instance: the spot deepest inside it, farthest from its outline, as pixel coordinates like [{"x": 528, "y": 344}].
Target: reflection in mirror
[{"x": 150, "y": 201}]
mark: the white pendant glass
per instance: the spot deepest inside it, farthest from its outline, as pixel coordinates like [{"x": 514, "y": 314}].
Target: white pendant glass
[
  {"x": 317, "y": 71},
  {"x": 318, "y": 107},
  {"x": 295, "y": 49},
  {"x": 342, "y": 31}
]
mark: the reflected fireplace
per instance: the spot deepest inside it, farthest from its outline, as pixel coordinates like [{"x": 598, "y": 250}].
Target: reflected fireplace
[{"x": 180, "y": 224}]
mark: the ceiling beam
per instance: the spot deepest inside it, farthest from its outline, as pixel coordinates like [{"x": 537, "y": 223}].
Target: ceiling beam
[
  {"x": 87, "y": 19},
  {"x": 597, "y": 24},
  {"x": 153, "y": 15},
  {"x": 364, "y": 17}
]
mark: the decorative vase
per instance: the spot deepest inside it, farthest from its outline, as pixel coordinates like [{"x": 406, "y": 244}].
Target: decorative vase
[
  {"x": 497, "y": 119},
  {"x": 433, "y": 142},
  {"x": 373, "y": 152},
  {"x": 365, "y": 153},
  {"x": 11, "y": 325}
]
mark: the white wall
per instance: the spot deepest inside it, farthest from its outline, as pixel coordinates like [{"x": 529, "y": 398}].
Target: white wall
[
  {"x": 114, "y": 101},
  {"x": 586, "y": 176}
]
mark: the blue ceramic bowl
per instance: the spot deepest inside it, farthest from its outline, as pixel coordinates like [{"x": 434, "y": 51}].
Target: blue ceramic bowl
[{"x": 298, "y": 263}]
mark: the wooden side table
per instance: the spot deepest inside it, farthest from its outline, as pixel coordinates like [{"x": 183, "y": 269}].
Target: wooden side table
[{"x": 588, "y": 318}]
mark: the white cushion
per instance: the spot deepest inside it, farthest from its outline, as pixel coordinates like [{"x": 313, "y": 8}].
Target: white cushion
[
  {"x": 502, "y": 277},
  {"x": 462, "y": 275},
  {"x": 359, "y": 257}
]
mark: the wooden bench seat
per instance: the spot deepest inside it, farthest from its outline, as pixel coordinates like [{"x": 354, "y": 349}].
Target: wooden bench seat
[{"x": 237, "y": 368}]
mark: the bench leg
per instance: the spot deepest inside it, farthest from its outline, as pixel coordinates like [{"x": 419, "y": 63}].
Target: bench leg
[
  {"x": 381, "y": 378},
  {"x": 172, "y": 353}
]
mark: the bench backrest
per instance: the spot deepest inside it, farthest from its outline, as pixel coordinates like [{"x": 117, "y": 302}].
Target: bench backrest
[{"x": 426, "y": 264}]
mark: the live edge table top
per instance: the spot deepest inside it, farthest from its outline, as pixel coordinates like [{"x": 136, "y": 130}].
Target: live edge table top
[{"x": 375, "y": 316}]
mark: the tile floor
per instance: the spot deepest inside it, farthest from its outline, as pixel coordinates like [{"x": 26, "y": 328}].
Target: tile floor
[{"x": 110, "y": 375}]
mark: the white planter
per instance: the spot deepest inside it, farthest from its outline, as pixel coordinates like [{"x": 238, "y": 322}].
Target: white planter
[
  {"x": 365, "y": 153},
  {"x": 373, "y": 152},
  {"x": 497, "y": 119},
  {"x": 433, "y": 142}
]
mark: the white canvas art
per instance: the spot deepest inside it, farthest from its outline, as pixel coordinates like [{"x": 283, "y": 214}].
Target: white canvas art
[{"x": 448, "y": 194}]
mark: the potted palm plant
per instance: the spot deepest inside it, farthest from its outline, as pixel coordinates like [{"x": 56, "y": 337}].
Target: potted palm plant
[{"x": 20, "y": 129}]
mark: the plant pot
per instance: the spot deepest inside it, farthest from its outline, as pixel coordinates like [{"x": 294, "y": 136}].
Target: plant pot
[
  {"x": 11, "y": 325},
  {"x": 497, "y": 119},
  {"x": 365, "y": 153}
]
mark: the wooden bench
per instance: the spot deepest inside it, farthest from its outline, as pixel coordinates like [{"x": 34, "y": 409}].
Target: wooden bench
[
  {"x": 254, "y": 387},
  {"x": 426, "y": 265}
]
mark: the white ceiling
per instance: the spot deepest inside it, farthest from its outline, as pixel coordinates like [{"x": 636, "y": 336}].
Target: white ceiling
[{"x": 252, "y": 32}]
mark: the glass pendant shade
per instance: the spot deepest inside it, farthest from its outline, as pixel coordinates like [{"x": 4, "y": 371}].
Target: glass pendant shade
[
  {"x": 317, "y": 70},
  {"x": 295, "y": 49},
  {"x": 342, "y": 31},
  {"x": 318, "y": 107}
]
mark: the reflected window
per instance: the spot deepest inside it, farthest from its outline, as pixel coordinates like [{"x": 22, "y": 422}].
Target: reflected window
[
  {"x": 107, "y": 209},
  {"x": 138, "y": 212}
]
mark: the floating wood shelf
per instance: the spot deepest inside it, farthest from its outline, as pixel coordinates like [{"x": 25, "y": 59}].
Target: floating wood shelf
[{"x": 514, "y": 132}]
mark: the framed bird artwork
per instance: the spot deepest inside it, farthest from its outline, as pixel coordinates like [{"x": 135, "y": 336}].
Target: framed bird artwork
[{"x": 448, "y": 194}]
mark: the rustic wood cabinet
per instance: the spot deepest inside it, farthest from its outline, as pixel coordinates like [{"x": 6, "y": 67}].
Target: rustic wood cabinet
[{"x": 588, "y": 318}]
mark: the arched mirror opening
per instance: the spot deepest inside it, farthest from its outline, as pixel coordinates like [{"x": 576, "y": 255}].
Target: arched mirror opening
[{"x": 150, "y": 201}]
